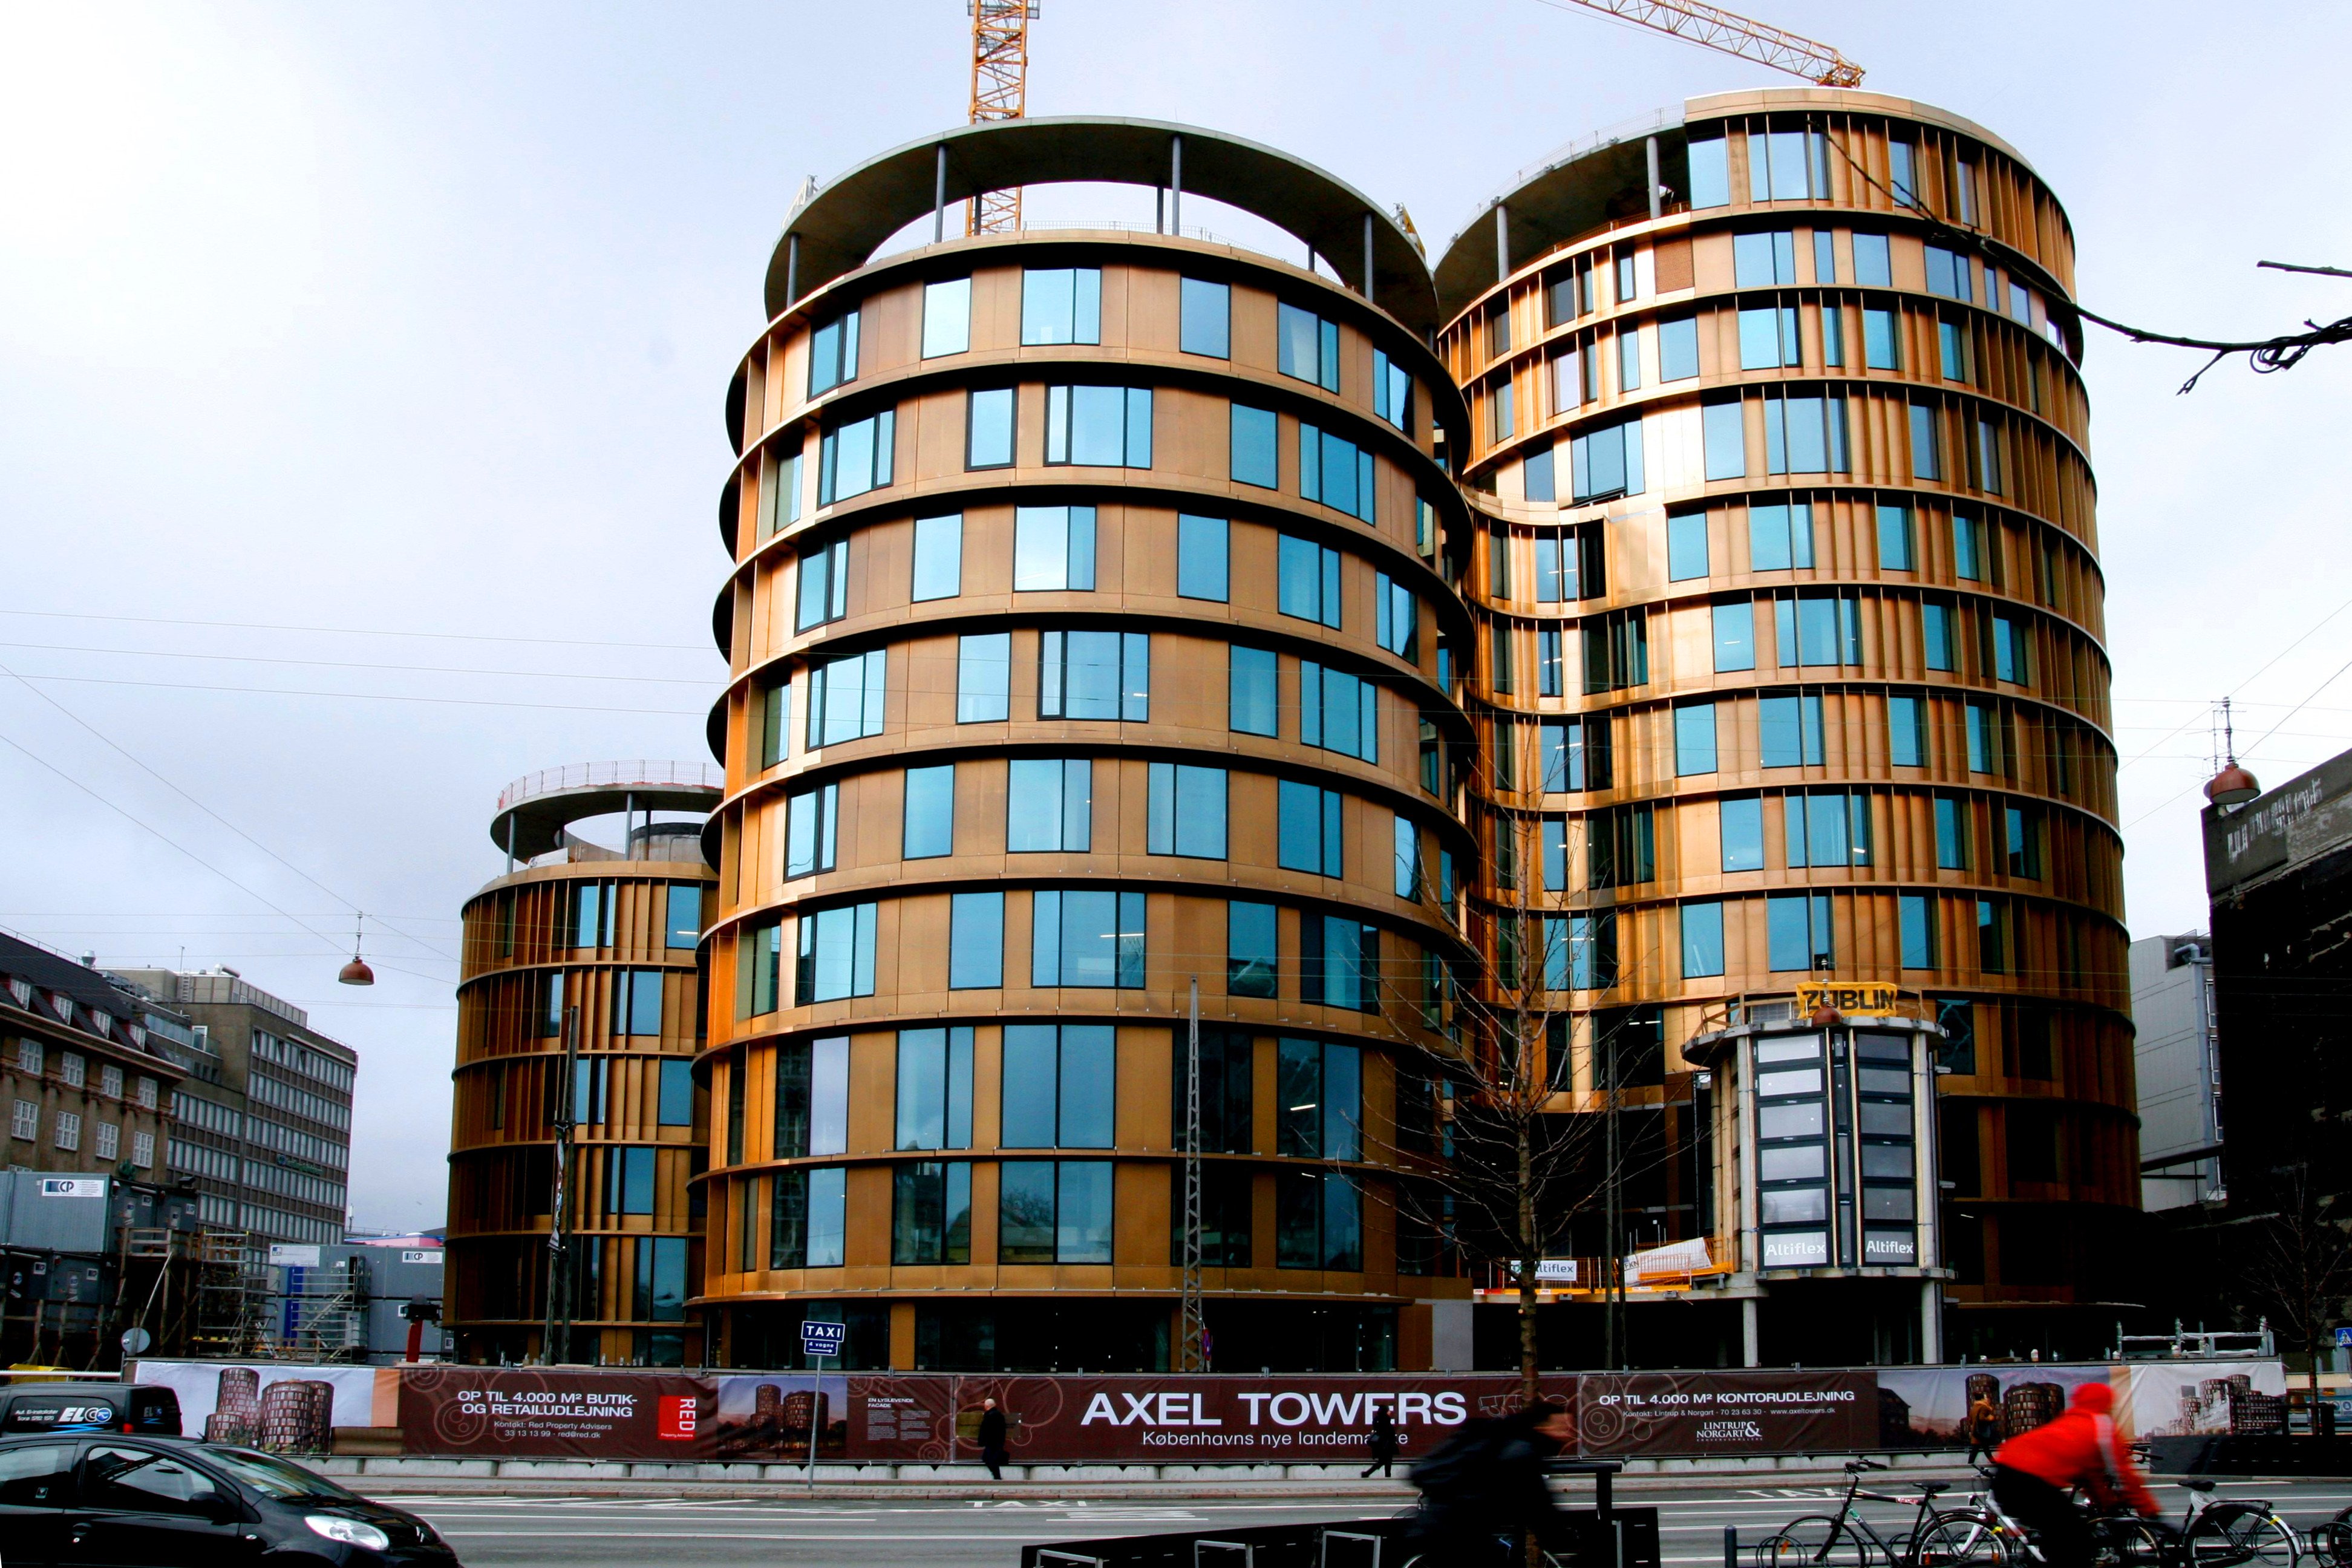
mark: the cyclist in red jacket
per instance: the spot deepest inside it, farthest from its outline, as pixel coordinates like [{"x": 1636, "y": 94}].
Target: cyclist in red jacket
[{"x": 2034, "y": 1472}]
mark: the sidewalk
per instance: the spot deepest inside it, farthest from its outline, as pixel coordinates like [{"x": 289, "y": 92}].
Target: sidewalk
[{"x": 968, "y": 1481}]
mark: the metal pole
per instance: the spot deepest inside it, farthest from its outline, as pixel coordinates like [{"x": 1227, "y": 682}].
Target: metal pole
[
  {"x": 559, "y": 1322},
  {"x": 1502, "y": 244},
  {"x": 816, "y": 1411},
  {"x": 1176, "y": 185},
  {"x": 939, "y": 190},
  {"x": 1193, "y": 1318},
  {"x": 1159, "y": 209},
  {"x": 791, "y": 270},
  {"x": 1657, "y": 202},
  {"x": 1368, "y": 255}
]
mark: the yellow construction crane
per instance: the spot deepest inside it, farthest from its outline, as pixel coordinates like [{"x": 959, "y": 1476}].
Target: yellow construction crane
[
  {"x": 1000, "y": 90},
  {"x": 1727, "y": 31}
]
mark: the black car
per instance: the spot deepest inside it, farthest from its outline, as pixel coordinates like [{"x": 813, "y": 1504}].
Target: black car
[
  {"x": 88, "y": 1407},
  {"x": 92, "y": 1501}
]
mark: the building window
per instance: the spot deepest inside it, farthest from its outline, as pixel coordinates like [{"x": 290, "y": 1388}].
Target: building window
[
  {"x": 947, "y": 318},
  {"x": 1679, "y": 349},
  {"x": 1805, "y": 435},
  {"x": 1307, "y": 346},
  {"x": 1694, "y": 739},
  {"x": 1397, "y": 617},
  {"x": 1575, "y": 755},
  {"x": 930, "y": 1212},
  {"x": 1201, "y": 558},
  {"x": 845, "y": 698},
  {"x": 1606, "y": 462},
  {"x": 675, "y": 1105},
  {"x": 1255, "y": 459},
  {"x": 1686, "y": 547},
  {"x": 1054, "y": 1211},
  {"x": 1896, "y": 552},
  {"x": 1768, "y": 338},
  {"x": 1827, "y": 828},
  {"x": 1059, "y": 1086},
  {"x": 1186, "y": 811},
  {"x": 1616, "y": 651},
  {"x": 1320, "y": 1088},
  {"x": 1710, "y": 172},
  {"x": 1762, "y": 260},
  {"x": 1788, "y": 165},
  {"x": 1789, "y": 730},
  {"x": 1742, "y": 819},
  {"x": 1832, "y": 334},
  {"x": 2021, "y": 842},
  {"x": 1087, "y": 937},
  {"x": 1798, "y": 932},
  {"x": 836, "y": 955},
  {"x": 1537, "y": 476},
  {"x": 1621, "y": 846},
  {"x": 1824, "y": 257},
  {"x": 809, "y": 831},
  {"x": 934, "y": 1089},
  {"x": 143, "y": 1151},
  {"x": 1726, "y": 438},
  {"x": 1735, "y": 635},
  {"x": 1307, "y": 579},
  {"x": 774, "y": 718},
  {"x": 1951, "y": 833},
  {"x": 1251, "y": 691},
  {"x": 1061, "y": 305},
  {"x": 1817, "y": 629},
  {"x": 976, "y": 941},
  {"x": 1252, "y": 958},
  {"x": 809, "y": 1223},
  {"x": 1407, "y": 859},
  {"x": 75, "y": 1069},
  {"x": 629, "y": 1180},
  {"x": 1551, "y": 675},
  {"x": 833, "y": 353},
  {"x": 1094, "y": 675},
  {"x": 25, "y": 1121},
  {"x": 1927, "y": 449},
  {"x": 1906, "y": 732},
  {"x": 110, "y": 1080},
  {"x": 1968, "y": 548},
  {"x": 1319, "y": 1222},
  {"x": 1947, "y": 273},
  {"x": 1391, "y": 391},
  {"x": 757, "y": 979},
  {"x": 110, "y": 1141},
  {"x": 1205, "y": 318},
  {"x": 1702, "y": 940},
  {"x": 68, "y": 1131},
  {"x": 1099, "y": 426},
  {"x": 642, "y": 1006},
  {"x": 1336, "y": 472},
  {"x": 855, "y": 458},
  {"x": 939, "y": 557},
  {"x": 1938, "y": 638},
  {"x": 1053, "y": 548},
  {"x": 927, "y": 819},
  {"x": 684, "y": 931},
  {"x": 2012, "y": 651},
  {"x": 983, "y": 678},
  {"x": 1629, "y": 359},
  {"x": 812, "y": 1113},
  {"x": 1338, "y": 712},
  {"x": 1338, "y": 962},
  {"x": 988, "y": 428},
  {"x": 29, "y": 1056},
  {"x": 1309, "y": 829},
  {"x": 1049, "y": 806}
]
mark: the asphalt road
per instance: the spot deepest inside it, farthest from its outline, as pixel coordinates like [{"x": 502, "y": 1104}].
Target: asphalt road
[{"x": 518, "y": 1532}]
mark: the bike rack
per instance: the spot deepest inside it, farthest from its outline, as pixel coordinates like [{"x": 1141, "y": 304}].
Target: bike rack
[
  {"x": 1323, "y": 1554},
  {"x": 1248, "y": 1552},
  {"x": 1044, "y": 1553}
]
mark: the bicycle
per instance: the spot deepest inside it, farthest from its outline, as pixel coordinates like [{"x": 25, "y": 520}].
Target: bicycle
[
  {"x": 1937, "y": 1539},
  {"x": 2231, "y": 1533}
]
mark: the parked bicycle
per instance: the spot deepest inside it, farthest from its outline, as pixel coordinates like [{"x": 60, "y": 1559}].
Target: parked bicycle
[
  {"x": 1948, "y": 1537},
  {"x": 2230, "y": 1532}
]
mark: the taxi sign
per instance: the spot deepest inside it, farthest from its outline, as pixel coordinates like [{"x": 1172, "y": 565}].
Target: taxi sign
[{"x": 822, "y": 1339}]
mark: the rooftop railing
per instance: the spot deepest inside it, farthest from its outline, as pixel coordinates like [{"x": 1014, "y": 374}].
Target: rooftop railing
[{"x": 612, "y": 776}]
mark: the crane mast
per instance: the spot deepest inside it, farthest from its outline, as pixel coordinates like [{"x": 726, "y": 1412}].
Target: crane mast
[
  {"x": 1000, "y": 90},
  {"x": 1712, "y": 28}
]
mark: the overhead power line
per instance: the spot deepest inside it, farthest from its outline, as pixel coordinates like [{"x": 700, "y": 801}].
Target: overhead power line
[
  {"x": 350, "y": 631},
  {"x": 705, "y": 681}
]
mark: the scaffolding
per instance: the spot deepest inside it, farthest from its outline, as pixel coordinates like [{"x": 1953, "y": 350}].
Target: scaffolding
[
  {"x": 232, "y": 1297},
  {"x": 326, "y": 1312}
]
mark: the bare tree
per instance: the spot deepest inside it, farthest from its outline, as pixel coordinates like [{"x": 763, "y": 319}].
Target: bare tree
[{"x": 2300, "y": 1267}]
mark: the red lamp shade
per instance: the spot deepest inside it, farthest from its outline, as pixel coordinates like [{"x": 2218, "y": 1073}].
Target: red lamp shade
[
  {"x": 357, "y": 972},
  {"x": 2233, "y": 786}
]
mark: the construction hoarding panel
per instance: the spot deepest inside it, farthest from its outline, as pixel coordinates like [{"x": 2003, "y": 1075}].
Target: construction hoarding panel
[
  {"x": 1683, "y": 1413},
  {"x": 284, "y": 1408},
  {"x": 573, "y": 1413}
]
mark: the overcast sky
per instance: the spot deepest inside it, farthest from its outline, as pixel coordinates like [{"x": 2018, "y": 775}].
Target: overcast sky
[{"x": 361, "y": 371}]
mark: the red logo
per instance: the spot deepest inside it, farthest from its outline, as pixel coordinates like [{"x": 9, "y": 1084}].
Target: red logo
[{"x": 676, "y": 1418}]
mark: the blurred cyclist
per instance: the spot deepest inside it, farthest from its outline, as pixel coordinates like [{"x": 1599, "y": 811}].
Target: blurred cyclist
[{"x": 2034, "y": 1472}]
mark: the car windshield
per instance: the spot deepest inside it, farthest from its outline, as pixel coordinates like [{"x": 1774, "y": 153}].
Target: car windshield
[{"x": 273, "y": 1478}]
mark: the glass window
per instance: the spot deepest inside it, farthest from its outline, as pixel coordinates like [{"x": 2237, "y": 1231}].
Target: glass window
[
  {"x": 1906, "y": 732},
  {"x": 1735, "y": 635},
  {"x": 1255, "y": 448},
  {"x": 1338, "y": 962},
  {"x": 1629, "y": 359},
  {"x": 1061, "y": 305},
  {"x": 1336, "y": 472},
  {"x": 1307, "y": 346},
  {"x": 1761, "y": 260},
  {"x": 1871, "y": 266},
  {"x": 1252, "y": 958},
  {"x": 1307, "y": 580},
  {"x": 1805, "y": 435},
  {"x": 1685, "y": 546},
  {"x": 1726, "y": 432},
  {"x": 1882, "y": 345},
  {"x": 135, "y": 1481},
  {"x": 1743, "y": 833},
  {"x": 1780, "y": 537},
  {"x": 676, "y": 1103},
  {"x": 809, "y": 830},
  {"x": 1059, "y": 1086},
  {"x": 1398, "y": 614},
  {"x": 1253, "y": 696},
  {"x": 855, "y": 458},
  {"x": 1947, "y": 273},
  {"x": 1186, "y": 811},
  {"x": 1926, "y": 451},
  {"x": 1833, "y": 335},
  {"x": 1824, "y": 257},
  {"x": 1391, "y": 391},
  {"x": 644, "y": 1008},
  {"x": 779, "y": 501},
  {"x": 775, "y": 722},
  {"x": 1567, "y": 380},
  {"x": 1053, "y": 548},
  {"x": 824, "y": 585},
  {"x": 1904, "y": 183},
  {"x": 836, "y": 959},
  {"x": 758, "y": 958},
  {"x": 1894, "y": 549},
  {"x": 1695, "y": 739},
  {"x": 1308, "y": 829},
  {"x": 983, "y": 678},
  {"x": 1710, "y": 172},
  {"x": 930, "y": 1212},
  {"x": 1049, "y": 806},
  {"x": 934, "y": 1089},
  {"x": 928, "y": 828},
  {"x": 1090, "y": 938},
  {"x": 685, "y": 923},
  {"x": 1205, "y": 316},
  {"x": 1937, "y": 635},
  {"x": 1789, "y": 730},
  {"x": 947, "y": 318},
  {"x": 1702, "y": 940},
  {"x": 1338, "y": 711},
  {"x": 1537, "y": 475},
  {"x": 1616, "y": 651},
  {"x": 1407, "y": 859},
  {"x": 1951, "y": 833},
  {"x": 1201, "y": 558},
  {"x": 976, "y": 941},
  {"x": 1607, "y": 461},
  {"x": 1968, "y": 548},
  {"x": 1768, "y": 337},
  {"x": 629, "y": 1180},
  {"x": 1679, "y": 349},
  {"x": 810, "y": 1218},
  {"x": 833, "y": 353},
  {"x": 1918, "y": 932},
  {"x": 988, "y": 428},
  {"x": 845, "y": 698},
  {"x": 1952, "y": 350},
  {"x": 1094, "y": 675},
  {"x": 939, "y": 557},
  {"x": 1099, "y": 426},
  {"x": 1319, "y": 1088}
]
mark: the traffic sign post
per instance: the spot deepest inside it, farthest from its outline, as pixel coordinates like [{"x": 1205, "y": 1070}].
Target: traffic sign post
[
  {"x": 819, "y": 1343},
  {"x": 2343, "y": 1338}
]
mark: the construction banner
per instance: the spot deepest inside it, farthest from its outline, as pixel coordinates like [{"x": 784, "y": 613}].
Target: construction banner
[
  {"x": 570, "y": 1413},
  {"x": 1685, "y": 1414},
  {"x": 284, "y": 1408}
]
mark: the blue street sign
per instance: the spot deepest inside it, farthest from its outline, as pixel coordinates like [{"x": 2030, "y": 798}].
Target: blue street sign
[
  {"x": 822, "y": 1339},
  {"x": 2343, "y": 1338}
]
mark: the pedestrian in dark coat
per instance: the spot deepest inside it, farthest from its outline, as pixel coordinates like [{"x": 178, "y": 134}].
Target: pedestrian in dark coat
[
  {"x": 1383, "y": 1443},
  {"x": 992, "y": 1439}
]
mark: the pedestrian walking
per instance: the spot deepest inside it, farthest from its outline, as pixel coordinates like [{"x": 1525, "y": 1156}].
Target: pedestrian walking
[
  {"x": 1984, "y": 1426},
  {"x": 992, "y": 1439},
  {"x": 1383, "y": 1444}
]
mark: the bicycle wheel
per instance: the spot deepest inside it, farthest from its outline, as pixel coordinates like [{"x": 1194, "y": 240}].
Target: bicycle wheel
[
  {"x": 1815, "y": 1541},
  {"x": 2236, "y": 1535},
  {"x": 2332, "y": 1542},
  {"x": 2128, "y": 1543},
  {"x": 1959, "y": 1540}
]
